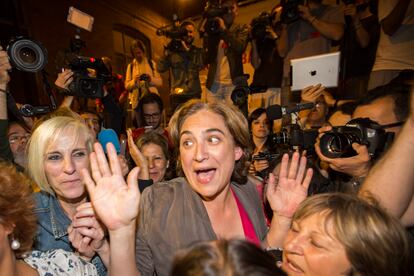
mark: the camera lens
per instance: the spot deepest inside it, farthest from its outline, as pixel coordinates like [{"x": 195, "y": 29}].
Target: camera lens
[
  {"x": 27, "y": 55},
  {"x": 334, "y": 145}
]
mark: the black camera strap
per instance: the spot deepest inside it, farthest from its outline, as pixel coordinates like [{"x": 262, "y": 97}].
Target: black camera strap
[{"x": 392, "y": 125}]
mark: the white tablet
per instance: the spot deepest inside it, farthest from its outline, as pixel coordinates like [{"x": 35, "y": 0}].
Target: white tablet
[{"x": 323, "y": 69}]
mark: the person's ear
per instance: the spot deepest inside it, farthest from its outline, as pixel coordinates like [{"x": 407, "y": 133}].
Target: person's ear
[
  {"x": 9, "y": 228},
  {"x": 238, "y": 153}
]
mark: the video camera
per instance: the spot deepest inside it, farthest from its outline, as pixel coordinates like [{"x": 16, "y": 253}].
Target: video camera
[
  {"x": 294, "y": 136},
  {"x": 90, "y": 75},
  {"x": 290, "y": 11},
  {"x": 213, "y": 10},
  {"x": 260, "y": 25},
  {"x": 337, "y": 143},
  {"x": 175, "y": 33}
]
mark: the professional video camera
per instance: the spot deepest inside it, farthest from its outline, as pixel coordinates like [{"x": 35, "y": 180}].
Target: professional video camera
[
  {"x": 294, "y": 136},
  {"x": 290, "y": 11},
  {"x": 213, "y": 10},
  {"x": 260, "y": 25},
  {"x": 338, "y": 142},
  {"x": 90, "y": 75},
  {"x": 175, "y": 33},
  {"x": 27, "y": 55}
]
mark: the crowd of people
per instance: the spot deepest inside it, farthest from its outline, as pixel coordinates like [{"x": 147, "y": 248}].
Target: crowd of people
[{"x": 218, "y": 188}]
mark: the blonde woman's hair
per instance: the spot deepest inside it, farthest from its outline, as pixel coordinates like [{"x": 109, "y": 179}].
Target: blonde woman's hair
[
  {"x": 235, "y": 122},
  {"x": 45, "y": 135},
  {"x": 375, "y": 243}
]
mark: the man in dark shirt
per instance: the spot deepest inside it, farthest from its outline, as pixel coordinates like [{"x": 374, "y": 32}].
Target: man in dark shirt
[
  {"x": 185, "y": 64},
  {"x": 358, "y": 48},
  {"x": 268, "y": 65}
]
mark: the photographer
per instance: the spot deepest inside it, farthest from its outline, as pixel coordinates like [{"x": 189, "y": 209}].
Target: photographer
[
  {"x": 141, "y": 74},
  {"x": 385, "y": 105},
  {"x": 358, "y": 47},
  {"x": 267, "y": 62},
  {"x": 224, "y": 47},
  {"x": 394, "y": 52},
  {"x": 311, "y": 34},
  {"x": 185, "y": 64},
  {"x": 112, "y": 111}
]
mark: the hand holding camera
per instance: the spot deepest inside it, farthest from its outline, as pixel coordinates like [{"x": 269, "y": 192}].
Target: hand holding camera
[
  {"x": 355, "y": 166},
  {"x": 305, "y": 12},
  {"x": 64, "y": 79},
  {"x": 4, "y": 66},
  {"x": 350, "y": 10}
]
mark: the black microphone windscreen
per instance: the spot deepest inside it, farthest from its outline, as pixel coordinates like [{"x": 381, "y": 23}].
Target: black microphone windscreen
[{"x": 274, "y": 112}]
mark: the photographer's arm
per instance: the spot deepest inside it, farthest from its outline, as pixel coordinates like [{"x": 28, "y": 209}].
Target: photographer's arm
[
  {"x": 62, "y": 82},
  {"x": 5, "y": 152},
  {"x": 393, "y": 21},
  {"x": 255, "y": 55},
  {"x": 391, "y": 180},
  {"x": 330, "y": 30},
  {"x": 237, "y": 41},
  {"x": 282, "y": 42}
]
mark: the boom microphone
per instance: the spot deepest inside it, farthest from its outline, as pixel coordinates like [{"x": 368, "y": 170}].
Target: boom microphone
[{"x": 275, "y": 112}]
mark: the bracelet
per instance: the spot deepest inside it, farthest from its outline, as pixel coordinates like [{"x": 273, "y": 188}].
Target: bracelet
[
  {"x": 313, "y": 19},
  {"x": 269, "y": 248}
]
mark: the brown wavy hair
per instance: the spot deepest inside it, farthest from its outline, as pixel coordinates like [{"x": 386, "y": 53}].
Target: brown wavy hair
[
  {"x": 16, "y": 206},
  {"x": 235, "y": 122}
]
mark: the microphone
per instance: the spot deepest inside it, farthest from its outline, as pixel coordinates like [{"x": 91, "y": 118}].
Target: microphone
[
  {"x": 275, "y": 112},
  {"x": 109, "y": 136},
  {"x": 28, "y": 110}
]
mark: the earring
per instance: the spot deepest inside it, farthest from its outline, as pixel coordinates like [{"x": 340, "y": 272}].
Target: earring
[{"x": 15, "y": 244}]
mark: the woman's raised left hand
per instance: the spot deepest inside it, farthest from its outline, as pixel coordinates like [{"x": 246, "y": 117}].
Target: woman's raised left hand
[
  {"x": 290, "y": 189},
  {"x": 114, "y": 200}
]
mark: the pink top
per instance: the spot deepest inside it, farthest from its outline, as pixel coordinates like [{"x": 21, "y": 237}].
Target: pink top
[{"x": 248, "y": 228}]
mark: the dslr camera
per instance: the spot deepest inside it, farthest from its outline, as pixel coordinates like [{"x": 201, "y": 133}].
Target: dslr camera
[
  {"x": 90, "y": 75},
  {"x": 294, "y": 136},
  {"x": 290, "y": 11},
  {"x": 213, "y": 10},
  {"x": 260, "y": 25},
  {"x": 337, "y": 143},
  {"x": 27, "y": 55}
]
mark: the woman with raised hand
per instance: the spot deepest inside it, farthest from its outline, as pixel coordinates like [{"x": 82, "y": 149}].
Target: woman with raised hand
[
  {"x": 152, "y": 155},
  {"x": 57, "y": 152},
  {"x": 214, "y": 200}
]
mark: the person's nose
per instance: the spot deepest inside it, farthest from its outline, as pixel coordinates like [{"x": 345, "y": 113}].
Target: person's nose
[
  {"x": 201, "y": 152},
  {"x": 295, "y": 245},
  {"x": 69, "y": 166},
  {"x": 151, "y": 163}
]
